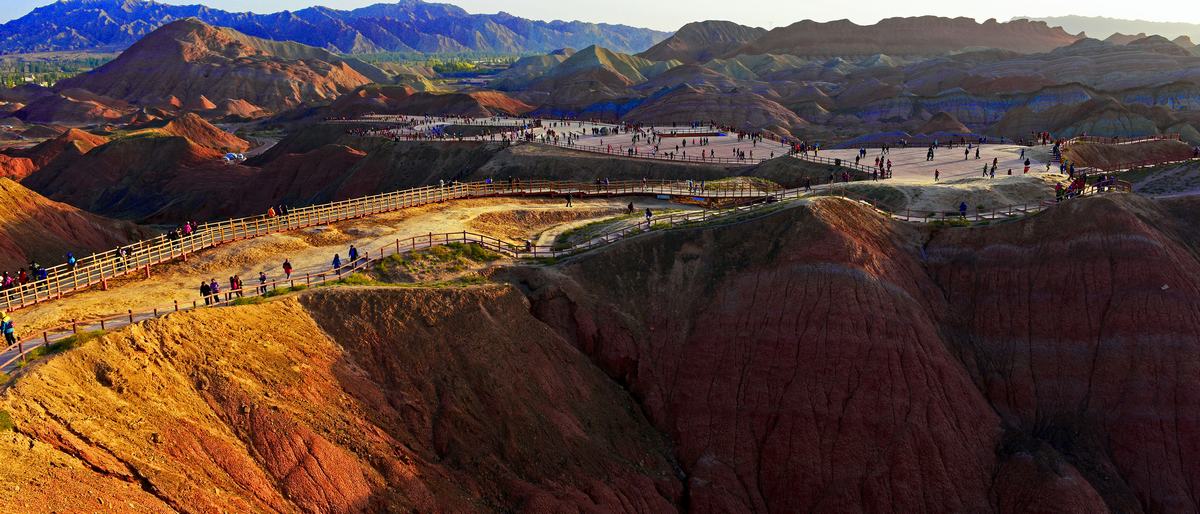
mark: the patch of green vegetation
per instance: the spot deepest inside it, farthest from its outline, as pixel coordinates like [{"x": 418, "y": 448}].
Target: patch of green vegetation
[
  {"x": 572, "y": 236},
  {"x": 47, "y": 68},
  {"x": 60, "y": 346},
  {"x": 951, "y": 222},
  {"x": 284, "y": 290},
  {"x": 452, "y": 257},
  {"x": 253, "y": 300},
  {"x": 356, "y": 279},
  {"x": 4, "y": 378},
  {"x": 463, "y": 281},
  {"x": 6, "y": 422},
  {"x": 739, "y": 182}
]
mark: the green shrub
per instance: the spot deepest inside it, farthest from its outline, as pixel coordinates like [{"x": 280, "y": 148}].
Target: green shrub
[
  {"x": 6, "y": 422},
  {"x": 61, "y": 345},
  {"x": 357, "y": 279}
]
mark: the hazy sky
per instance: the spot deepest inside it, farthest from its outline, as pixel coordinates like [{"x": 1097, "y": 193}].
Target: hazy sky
[{"x": 671, "y": 14}]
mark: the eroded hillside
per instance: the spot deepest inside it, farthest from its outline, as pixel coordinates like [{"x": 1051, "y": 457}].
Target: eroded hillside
[
  {"x": 820, "y": 357},
  {"x": 379, "y": 400}
]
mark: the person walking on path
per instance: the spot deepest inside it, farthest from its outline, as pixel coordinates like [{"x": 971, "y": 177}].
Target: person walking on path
[
  {"x": 215, "y": 289},
  {"x": 337, "y": 264},
  {"x": 287, "y": 269},
  {"x": 206, "y": 292},
  {"x": 936, "y": 175},
  {"x": 649, "y": 215},
  {"x": 262, "y": 282},
  {"x": 9, "y": 329},
  {"x": 353, "y": 252},
  {"x": 568, "y": 199},
  {"x": 962, "y": 210}
]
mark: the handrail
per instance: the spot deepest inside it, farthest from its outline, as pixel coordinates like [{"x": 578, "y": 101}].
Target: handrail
[
  {"x": 140, "y": 257},
  {"x": 401, "y": 246}
]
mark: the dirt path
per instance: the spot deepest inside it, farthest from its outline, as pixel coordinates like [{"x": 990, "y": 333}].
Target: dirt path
[{"x": 311, "y": 250}]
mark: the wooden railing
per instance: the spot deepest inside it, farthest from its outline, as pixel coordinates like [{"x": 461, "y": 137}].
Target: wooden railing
[
  {"x": 19, "y": 351},
  {"x": 140, "y": 257},
  {"x": 1121, "y": 140}
]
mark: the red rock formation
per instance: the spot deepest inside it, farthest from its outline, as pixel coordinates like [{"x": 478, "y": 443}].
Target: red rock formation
[
  {"x": 75, "y": 106},
  {"x": 238, "y": 108},
  {"x": 15, "y": 168},
  {"x": 1078, "y": 327},
  {"x": 35, "y": 228},
  {"x": 74, "y": 142},
  {"x": 798, "y": 366},
  {"x": 943, "y": 122},
  {"x": 741, "y": 109},
  {"x": 405, "y": 100},
  {"x": 198, "y": 131},
  {"x": 831, "y": 357},
  {"x": 190, "y": 60}
]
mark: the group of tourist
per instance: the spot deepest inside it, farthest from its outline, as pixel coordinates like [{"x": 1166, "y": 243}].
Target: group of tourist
[
  {"x": 34, "y": 273},
  {"x": 211, "y": 290}
]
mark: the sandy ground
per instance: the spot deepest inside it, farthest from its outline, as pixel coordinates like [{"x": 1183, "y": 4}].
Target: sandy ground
[
  {"x": 908, "y": 164},
  {"x": 311, "y": 250}
]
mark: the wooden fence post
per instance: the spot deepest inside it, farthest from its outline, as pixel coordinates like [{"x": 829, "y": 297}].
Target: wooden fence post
[{"x": 130, "y": 316}]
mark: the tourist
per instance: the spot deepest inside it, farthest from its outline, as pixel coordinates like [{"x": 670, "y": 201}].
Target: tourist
[
  {"x": 353, "y": 252},
  {"x": 287, "y": 269},
  {"x": 237, "y": 285},
  {"x": 962, "y": 209},
  {"x": 9, "y": 329},
  {"x": 936, "y": 174},
  {"x": 568, "y": 199},
  {"x": 337, "y": 263},
  {"x": 262, "y": 282},
  {"x": 215, "y": 290},
  {"x": 648, "y": 216}
]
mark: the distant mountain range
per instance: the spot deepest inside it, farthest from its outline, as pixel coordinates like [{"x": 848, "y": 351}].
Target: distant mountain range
[
  {"x": 1101, "y": 27},
  {"x": 917, "y": 36},
  {"x": 405, "y": 26}
]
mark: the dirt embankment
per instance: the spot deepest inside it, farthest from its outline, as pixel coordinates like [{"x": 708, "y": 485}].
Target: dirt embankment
[
  {"x": 380, "y": 400},
  {"x": 1102, "y": 156}
]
